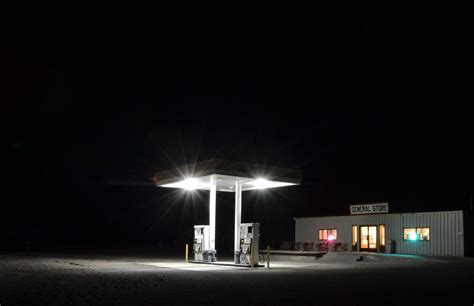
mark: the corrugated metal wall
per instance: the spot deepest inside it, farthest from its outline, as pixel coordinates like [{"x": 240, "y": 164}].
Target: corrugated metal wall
[{"x": 446, "y": 230}]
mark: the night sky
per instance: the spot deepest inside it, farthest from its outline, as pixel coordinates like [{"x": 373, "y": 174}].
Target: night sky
[{"x": 371, "y": 108}]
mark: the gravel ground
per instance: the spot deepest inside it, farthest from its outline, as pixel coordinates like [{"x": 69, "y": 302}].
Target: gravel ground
[{"x": 151, "y": 280}]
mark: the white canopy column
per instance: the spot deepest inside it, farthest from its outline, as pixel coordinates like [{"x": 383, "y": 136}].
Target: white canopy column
[
  {"x": 238, "y": 215},
  {"x": 212, "y": 213}
]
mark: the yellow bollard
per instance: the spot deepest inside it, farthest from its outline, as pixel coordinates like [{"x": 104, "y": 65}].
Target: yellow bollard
[
  {"x": 186, "y": 253},
  {"x": 268, "y": 257}
]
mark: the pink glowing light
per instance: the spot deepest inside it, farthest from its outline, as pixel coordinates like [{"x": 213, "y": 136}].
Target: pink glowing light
[{"x": 331, "y": 238}]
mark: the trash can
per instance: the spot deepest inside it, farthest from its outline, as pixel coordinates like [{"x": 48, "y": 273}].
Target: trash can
[{"x": 392, "y": 247}]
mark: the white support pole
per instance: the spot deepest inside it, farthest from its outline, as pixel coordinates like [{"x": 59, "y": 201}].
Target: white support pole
[
  {"x": 212, "y": 214},
  {"x": 238, "y": 214}
]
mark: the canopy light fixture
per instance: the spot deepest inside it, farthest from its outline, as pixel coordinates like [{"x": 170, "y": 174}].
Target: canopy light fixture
[
  {"x": 225, "y": 175},
  {"x": 189, "y": 183},
  {"x": 225, "y": 184},
  {"x": 261, "y": 183}
]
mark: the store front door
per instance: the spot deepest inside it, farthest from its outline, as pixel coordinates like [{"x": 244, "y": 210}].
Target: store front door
[{"x": 368, "y": 238}]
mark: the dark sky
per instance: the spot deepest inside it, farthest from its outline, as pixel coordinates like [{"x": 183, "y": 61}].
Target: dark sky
[{"x": 370, "y": 107}]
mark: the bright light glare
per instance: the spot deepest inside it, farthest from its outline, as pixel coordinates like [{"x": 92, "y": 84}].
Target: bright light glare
[
  {"x": 190, "y": 183},
  {"x": 261, "y": 183},
  {"x": 203, "y": 183},
  {"x": 413, "y": 236},
  {"x": 331, "y": 238}
]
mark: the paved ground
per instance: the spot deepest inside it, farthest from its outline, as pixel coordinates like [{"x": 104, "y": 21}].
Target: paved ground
[{"x": 147, "y": 280}]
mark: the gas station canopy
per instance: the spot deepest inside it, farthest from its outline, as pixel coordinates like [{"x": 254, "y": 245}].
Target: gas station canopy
[
  {"x": 226, "y": 174},
  {"x": 229, "y": 176}
]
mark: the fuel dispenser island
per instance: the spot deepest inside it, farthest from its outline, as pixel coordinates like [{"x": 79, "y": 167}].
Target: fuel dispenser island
[
  {"x": 201, "y": 246},
  {"x": 249, "y": 244},
  {"x": 235, "y": 177}
]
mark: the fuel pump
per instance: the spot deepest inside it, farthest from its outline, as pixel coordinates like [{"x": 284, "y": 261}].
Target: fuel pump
[
  {"x": 249, "y": 243},
  {"x": 201, "y": 241}
]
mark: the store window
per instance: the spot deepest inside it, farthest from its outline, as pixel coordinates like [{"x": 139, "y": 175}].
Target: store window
[
  {"x": 327, "y": 234},
  {"x": 416, "y": 233}
]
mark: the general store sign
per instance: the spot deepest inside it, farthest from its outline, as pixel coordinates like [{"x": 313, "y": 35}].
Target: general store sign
[{"x": 376, "y": 208}]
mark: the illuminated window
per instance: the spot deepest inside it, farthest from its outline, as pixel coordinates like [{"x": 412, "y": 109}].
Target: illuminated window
[
  {"x": 354, "y": 235},
  {"x": 409, "y": 234},
  {"x": 423, "y": 233},
  {"x": 327, "y": 234},
  {"x": 416, "y": 233},
  {"x": 323, "y": 234},
  {"x": 382, "y": 234}
]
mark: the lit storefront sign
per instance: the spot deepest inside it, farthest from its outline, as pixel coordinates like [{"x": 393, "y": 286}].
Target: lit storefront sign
[{"x": 376, "y": 208}]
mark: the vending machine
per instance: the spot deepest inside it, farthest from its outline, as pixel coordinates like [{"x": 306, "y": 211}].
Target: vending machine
[{"x": 249, "y": 244}]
